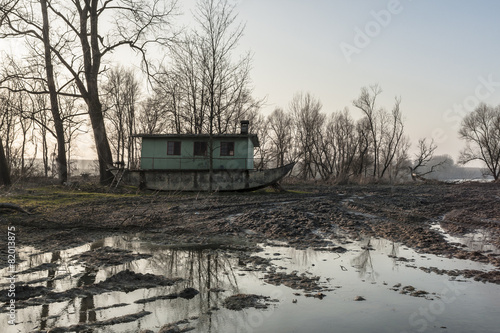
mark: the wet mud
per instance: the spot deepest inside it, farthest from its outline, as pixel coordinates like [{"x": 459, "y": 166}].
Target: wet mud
[{"x": 245, "y": 237}]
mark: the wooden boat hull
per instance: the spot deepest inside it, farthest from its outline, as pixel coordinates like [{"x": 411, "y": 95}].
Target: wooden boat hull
[{"x": 199, "y": 180}]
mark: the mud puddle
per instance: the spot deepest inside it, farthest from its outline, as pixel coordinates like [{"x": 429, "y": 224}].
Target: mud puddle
[
  {"x": 122, "y": 284},
  {"x": 479, "y": 240}
]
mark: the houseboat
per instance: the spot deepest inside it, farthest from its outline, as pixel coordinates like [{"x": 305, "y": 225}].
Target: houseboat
[{"x": 181, "y": 162}]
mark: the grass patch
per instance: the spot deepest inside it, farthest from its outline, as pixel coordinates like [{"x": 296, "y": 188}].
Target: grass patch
[
  {"x": 300, "y": 192},
  {"x": 47, "y": 198}
]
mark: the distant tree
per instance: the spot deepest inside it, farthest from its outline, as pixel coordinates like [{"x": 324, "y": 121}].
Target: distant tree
[
  {"x": 344, "y": 143},
  {"x": 281, "y": 134},
  {"x": 481, "y": 131},
  {"x": 423, "y": 159},
  {"x": 309, "y": 121},
  {"x": 363, "y": 158},
  {"x": 42, "y": 118},
  {"x": 75, "y": 123},
  {"x": 260, "y": 126},
  {"x": 121, "y": 97},
  {"x": 152, "y": 118},
  {"x": 170, "y": 95},
  {"x": 386, "y": 129}
]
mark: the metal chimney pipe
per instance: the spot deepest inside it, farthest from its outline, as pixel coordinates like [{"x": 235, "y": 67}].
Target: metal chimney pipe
[{"x": 244, "y": 126}]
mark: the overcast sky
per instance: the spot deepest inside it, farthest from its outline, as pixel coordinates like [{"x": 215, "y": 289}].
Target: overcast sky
[{"x": 440, "y": 57}]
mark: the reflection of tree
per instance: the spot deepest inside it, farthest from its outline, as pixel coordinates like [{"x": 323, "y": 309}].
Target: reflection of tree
[
  {"x": 87, "y": 306},
  {"x": 364, "y": 261},
  {"x": 87, "y": 312},
  {"x": 204, "y": 269},
  {"x": 394, "y": 250},
  {"x": 50, "y": 284}
]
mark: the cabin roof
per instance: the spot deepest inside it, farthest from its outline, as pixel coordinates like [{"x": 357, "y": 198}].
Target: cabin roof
[{"x": 253, "y": 137}]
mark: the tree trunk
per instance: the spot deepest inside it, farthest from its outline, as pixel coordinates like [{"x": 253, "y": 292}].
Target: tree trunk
[
  {"x": 92, "y": 64},
  {"x": 62, "y": 165},
  {"x": 101, "y": 140},
  {"x": 4, "y": 167}
]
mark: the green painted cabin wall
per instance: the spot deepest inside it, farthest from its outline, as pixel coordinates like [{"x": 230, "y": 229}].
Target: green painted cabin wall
[{"x": 154, "y": 155}]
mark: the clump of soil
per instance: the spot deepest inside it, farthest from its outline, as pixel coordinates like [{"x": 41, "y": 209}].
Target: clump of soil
[
  {"x": 128, "y": 280},
  {"x": 294, "y": 281},
  {"x": 491, "y": 276},
  {"x": 186, "y": 293},
  {"x": 242, "y": 301},
  {"x": 108, "y": 256},
  {"x": 411, "y": 291}
]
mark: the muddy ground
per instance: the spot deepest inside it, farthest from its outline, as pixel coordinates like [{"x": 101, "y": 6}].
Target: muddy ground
[
  {"x": 313, "y": 215},
  {"x": 304, "y": 216}
]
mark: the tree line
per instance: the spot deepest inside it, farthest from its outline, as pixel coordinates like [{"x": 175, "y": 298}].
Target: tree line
[{"x": 65, "y": 85}]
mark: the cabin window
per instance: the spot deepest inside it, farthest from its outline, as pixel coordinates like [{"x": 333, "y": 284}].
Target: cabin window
[
  {"x": 173, "y": 148},
  {"x": 200, "y": 149},
  {"x": 227, "y": 149}
]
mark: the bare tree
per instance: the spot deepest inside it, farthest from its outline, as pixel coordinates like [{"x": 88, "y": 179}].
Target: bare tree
[
  {"x": 392, "y": 137},
  {"x": 224, "y": 80},
  {"x": 400, "y": 163},
  {"x": 4, "y": 164},
  {"x": 481, "y": 131},
  {"x": 386, "y": 129},
  {"x": 75, "y": 123},
  {"x": 363, "y": 158},
  {"x": 80, "y": 46},
  {"x": 309, "y": 121},
  {"x": 42, "y": 118},
  {"x": 4, "y": 167},
  {"x": 152, "y": 117},
  {"x": 260, "y": 126},
  {"x": 342, "y": 138},
  {"x": 17, "y": 129},
  {"x": 62, "y": 165},
  {"x": 121, "y": 97},
  {"x": 366, "y": 102},
  {"x": 22, "y": 21},
  {"x": 281, "y": 129},
  {"x": 422, "y": 159},
  {"x": 9, "y": 123},
  {"x": 188, "y": 93}
]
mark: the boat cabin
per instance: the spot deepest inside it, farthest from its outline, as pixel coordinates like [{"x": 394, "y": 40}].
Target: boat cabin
[{"x": 191, "y": 151}]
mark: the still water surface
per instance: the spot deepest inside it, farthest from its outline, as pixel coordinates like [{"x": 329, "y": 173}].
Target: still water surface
[{"x": 370, "y": 268}]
